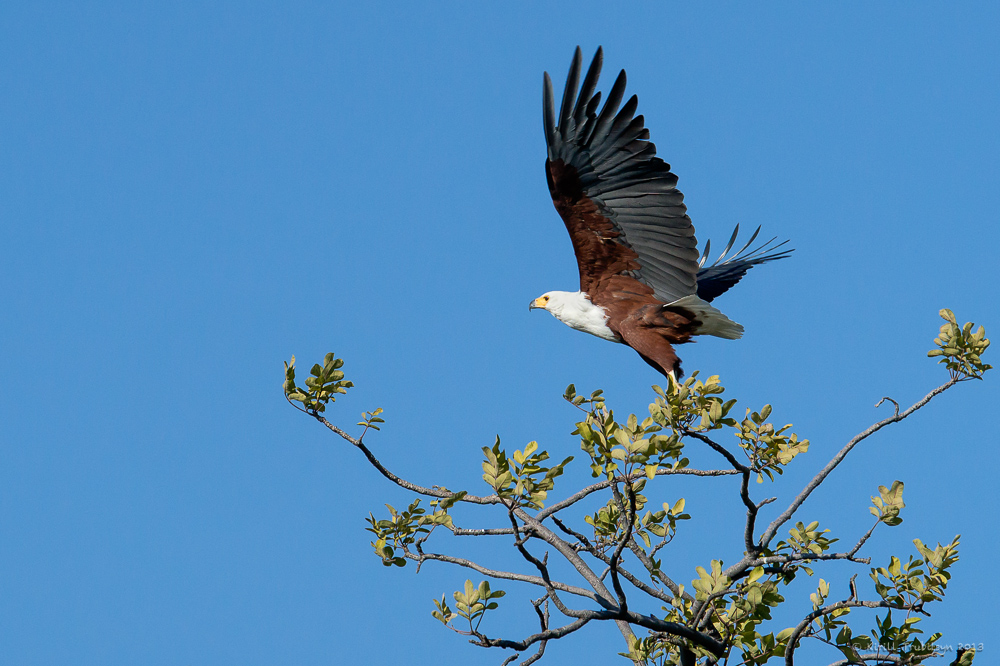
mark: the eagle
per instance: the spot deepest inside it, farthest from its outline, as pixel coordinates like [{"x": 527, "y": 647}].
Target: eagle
[{"x": 643, "y": 282}]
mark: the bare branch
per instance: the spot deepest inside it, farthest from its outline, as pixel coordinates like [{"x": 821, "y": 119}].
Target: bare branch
[
  {"x": 807, "y": 621},
  {"x": 873, "y": 657},
  {"x": 500, "y": 575},
  {"x": 495, "y": 531},
  {"x": 655, "y": 572},
  {"x": 402, "y": 483},
  {"x": 801, "y": 557},
  {"x": 737, "y": 465},
  {"x": 635, "y": 476},
  {"x": 629, "y": 518},
  {"x": 752, "y": 509},
  {"x": 630, "y": 577},
  {"x": 535, "y": 638},
  {"x": 772, "y": 529},
  {"x": 863, "y": 539}
]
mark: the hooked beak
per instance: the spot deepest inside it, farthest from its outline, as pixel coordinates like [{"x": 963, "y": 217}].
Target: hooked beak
[{"x": 533, "y": 305}]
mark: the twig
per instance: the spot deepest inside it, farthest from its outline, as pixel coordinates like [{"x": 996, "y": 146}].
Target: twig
[
  {"x": 623, "y": 619},
  {"x": 864, "y": 538},
  {"x": 801, "y": 557},
  {"x": 807, "y": 621},
  {"x": 830, "y": 466},
  {"x": 737, "y": 465},
  {"x": 501, "y": 575},
  {"x": 402, "y": 483},
  {"x": 558, "y": 632},
  {"x": 494, "y": 531},
  {"x": 629, "y": 517},
  {"x": 630, "y": 577},
  {"x": 870, "y": 656},
  {"x": 655, "y": 572},
  {"x": 750, "y": 527},
  {"x": 634, "y": 476}
]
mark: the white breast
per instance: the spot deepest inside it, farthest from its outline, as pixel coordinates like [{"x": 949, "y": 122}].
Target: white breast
[{"x": 574, "y": 309}]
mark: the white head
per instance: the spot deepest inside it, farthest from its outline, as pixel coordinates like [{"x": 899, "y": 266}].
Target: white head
[
  {"x": 556, "y": 302},
  {"x": 575, "y": 309}
]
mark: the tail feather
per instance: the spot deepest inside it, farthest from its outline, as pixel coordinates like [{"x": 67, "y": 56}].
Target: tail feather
[{"x": 710, "y": 320}]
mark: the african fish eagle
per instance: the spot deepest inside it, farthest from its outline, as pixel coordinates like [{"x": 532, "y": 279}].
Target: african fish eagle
[{"x": 643, "y": 282}]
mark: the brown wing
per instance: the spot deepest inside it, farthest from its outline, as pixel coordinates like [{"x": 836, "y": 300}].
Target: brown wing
[{"x": 619, "y": 201}]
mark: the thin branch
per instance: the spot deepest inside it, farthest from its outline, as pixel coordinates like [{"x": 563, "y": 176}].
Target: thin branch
[
  {"x": 655, "y": 572},
  {"x": 629, "y": 517},
  {"x": 623, "y": 619},
  {"x": 584, "y": 541},
  {"x": 864, "y": 538},
  {"x": 542, "y": 636},
  {"x": 646, "y": 621},
  {"x": 634, "y": 476},
  {"x": 830, "y": 466},
  {"x": 752, "y": 509},
  {"x": 742, "y": 567},
  {"x": 495, "y": 531},
  {"x": 702, "y": 611},
  {"x": 807, "y": 621},
  {"x": 566, "y": 550},
  {"x": 402, "y": 483},
  {"x": 737, "y": 465},
  {"x": 500, "y": 575},
  {"x": 629, "y": 576},
  {"x": 801, "y": 557},
  {"x": 870, "y": 656},
  {"x": 750, "y": 527}
]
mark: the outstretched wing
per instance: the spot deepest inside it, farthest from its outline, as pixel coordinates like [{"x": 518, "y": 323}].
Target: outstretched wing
[
  {"x": 718, "y": 278},
  {"x": 619, "y": 201}
]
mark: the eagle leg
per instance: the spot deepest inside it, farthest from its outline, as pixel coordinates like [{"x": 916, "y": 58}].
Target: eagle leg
[
  {"x": 652, "y": 331},
  {"x": 654, "y": 349}
]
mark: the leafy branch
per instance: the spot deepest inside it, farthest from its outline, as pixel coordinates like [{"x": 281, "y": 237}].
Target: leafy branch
[{"x": 723, "y": 616}]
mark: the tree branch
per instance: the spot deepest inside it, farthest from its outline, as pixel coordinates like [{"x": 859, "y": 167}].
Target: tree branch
[
  {"x": 807, "y": 621},
  {"x": 737, "y": 465},
  {"x": 830, "y": 466},
  {"x": 752, "y": 509},
  {"x": 535, "y": 638},
  {"x": 630, "y": 577},
  {"x": 656, "y": 572},
  {"x": 629, "y": 517},
  {"x": 500, "y": 575},
  {"x": 621, "y": 618},
  {"x": 634, "y": 476},
  {"x": 801, "y": 557},
  {"x": 494, "y": 531},
  {"x": 402, "y": 483},
  {"x": 870, "y": 656}
]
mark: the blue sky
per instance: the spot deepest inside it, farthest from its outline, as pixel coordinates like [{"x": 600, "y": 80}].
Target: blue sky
[{"x": 190, "y": 193}]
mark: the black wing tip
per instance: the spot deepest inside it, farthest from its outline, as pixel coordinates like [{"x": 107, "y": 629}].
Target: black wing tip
[
  {"x": 763, "y": 253},
  {"x": 548, "y": 109},
  {"x": 724, "y": 274}
]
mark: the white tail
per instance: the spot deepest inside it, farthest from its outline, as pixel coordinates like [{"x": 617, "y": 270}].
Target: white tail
[{"x": 711, "y": 321}]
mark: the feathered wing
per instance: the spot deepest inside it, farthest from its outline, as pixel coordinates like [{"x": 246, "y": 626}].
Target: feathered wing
[
  {"x": 619, "y": 201},
  {"x": 719, "y": 277}
]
